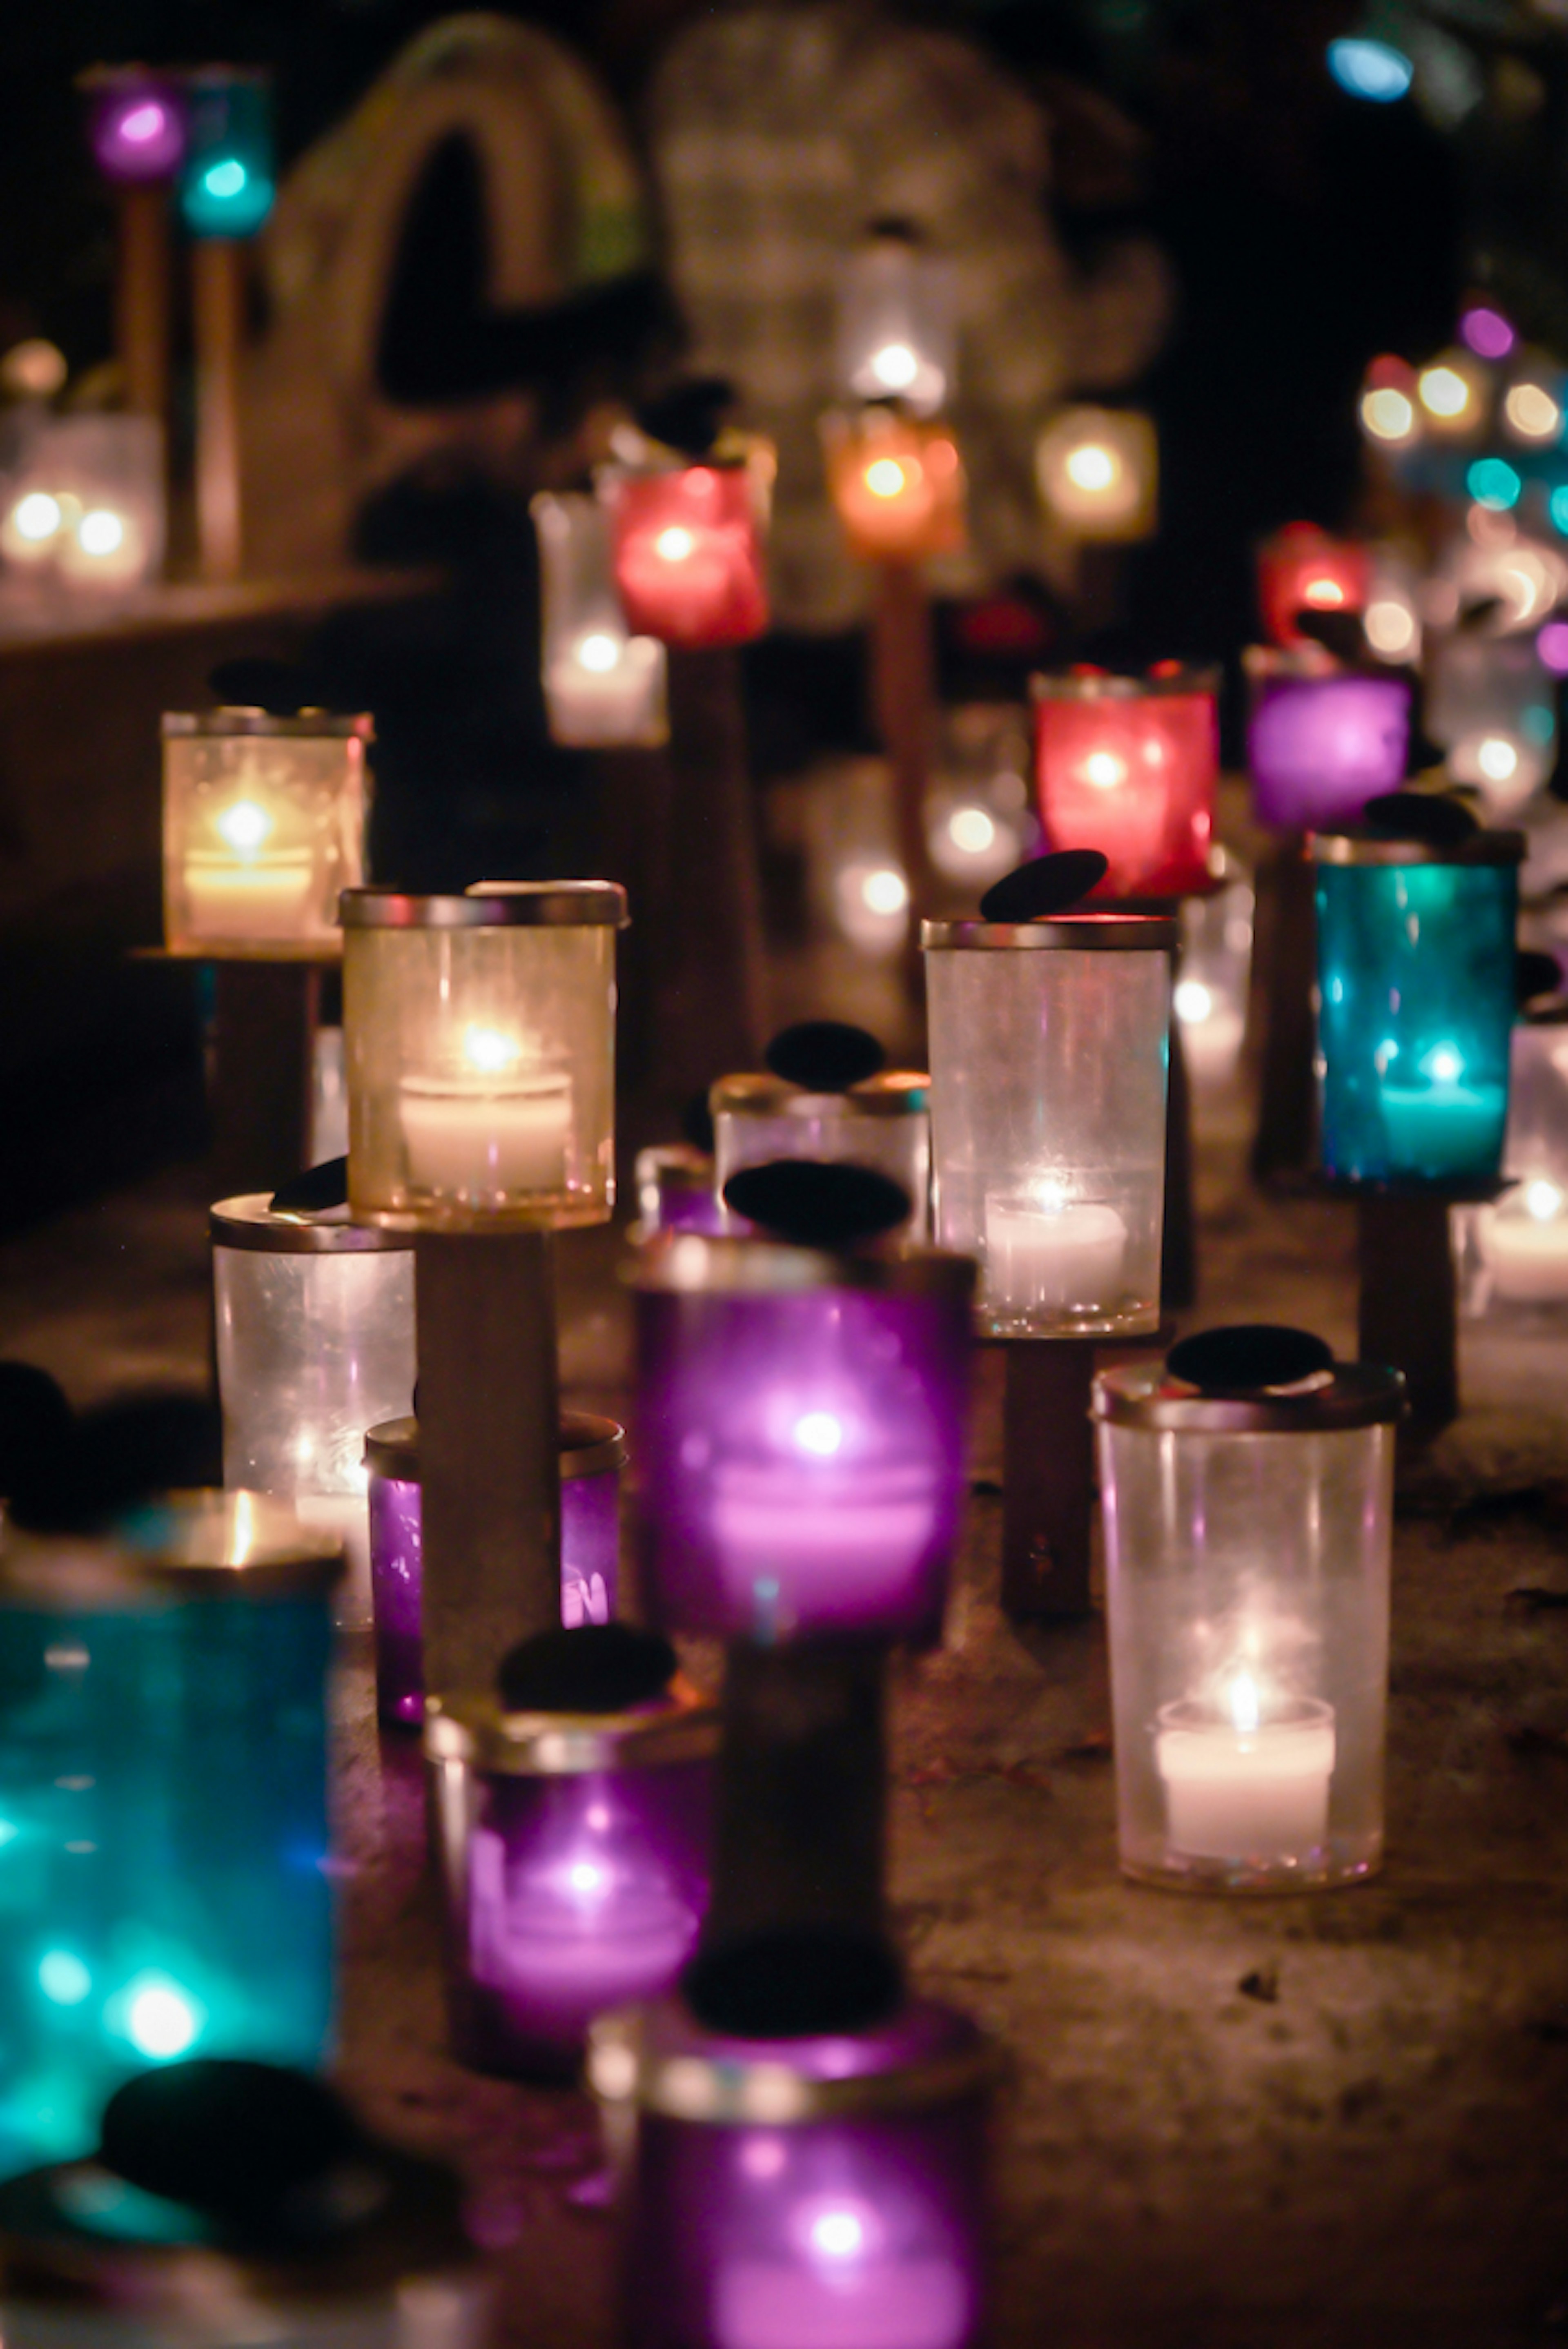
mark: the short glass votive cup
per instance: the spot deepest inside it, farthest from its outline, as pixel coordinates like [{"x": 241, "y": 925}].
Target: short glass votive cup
[
  {"x": 1491, "y": 702},
  {"x": 1049, "y": 1049},
  {"x": 1301, "y": 569},
  {"x": 86, "y": 508},
  {"x": 676, "y": 1191},
  {"x": 688, "y": 554},
  {"x": 264, "y": 825},
  {"x": 603, "y": 686},
  {"x": 481, "y": 1038},
  {"x": 1415, "y": 1006},
  {"x": 163, "y": 1786},
  {"x": 1247, "y": 1549},
  {"x": 779, "y": 2191},
  {"x": 135, "y": 124},
  {"x": 884, "y": 1123},
  {"x": 897, "y": 484},
  {"x": 593, "y": 1454},
  {"x": 1213, "y": 974},
  {"x": 1321, "y": 741},
  {"x": 801, "y": 1436},
  {"x": 1129, "y": 766},
  {"x": 1514, "y": 1252},
  {"x": 1098, "y": 470},
  {"x": 575, "y": 1853}
]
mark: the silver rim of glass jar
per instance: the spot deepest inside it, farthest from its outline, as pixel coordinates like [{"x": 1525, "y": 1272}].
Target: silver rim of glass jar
[
  {"x": 674, "y": 1167},
  {"x": 895, "y": 1092},
  {"x": 591, "y": 1446},
  {"x": 1358, "y": 1394},
  {"x": 248, "y": 1222},
  {"x": 494, "y": 905},
  {"x": 1080, "y": 933},
  {"x": 183, "y": 1544},
  {"x": 680, "y": 2082},
  {"x": 305, "y": 726},
  {"x": 478, "y": 1732},
  {"x": 1360, "y": 848},
  {"x": 691, "y": 1264},
  {"x": 1103, "y": 687}
]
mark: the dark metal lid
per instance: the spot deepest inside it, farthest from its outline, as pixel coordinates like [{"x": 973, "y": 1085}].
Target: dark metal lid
[
  {"x": 251, "y": 1222},
  {"x": 493, "y": 906},
  {"x": 304, "y": 725},
  {"x": 591, "y": 1446},
  {"x": 196, "y": 1545},
  {"x": 893, "y": 1092},
  {"x": 1077, "y": 933},
  {"x": 692, "y": 1264},
  {"x": 1352, "y": 1394},
  {"x": 479, "y": 1733},
  {"x": 1358, "y": 847}
]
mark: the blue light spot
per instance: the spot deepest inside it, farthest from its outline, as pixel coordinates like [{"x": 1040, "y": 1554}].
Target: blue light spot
[
  {"x": 63, "y": 1978},
  {"x": 1557, "y": 507},
  {"x": 1374, "y": 70},
  {"x": 1538, "y": 724},
  {"x": 1493, "y": 485},
  {"x": 225, "y": 179}
]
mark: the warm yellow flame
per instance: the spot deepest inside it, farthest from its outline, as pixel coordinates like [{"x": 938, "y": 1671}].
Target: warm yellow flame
[
  {"x": 1091, "y": 466},
  {"x": 1544, "y": 1201},
  {"x": 1497, "y": 758},
  {"x": 1532, "y": 411},
  {"x": 1323, "y": 594},
  {"x": 598, "y": 654},
  {"x": 1104, "y": 769},
  {"x": 1387, "y": 415},
  {"x": 970, "y": 830},
  {"x": 102, "y": 532},
  {"x": 1243, "y": 1698},
  {"x": 1390, "y": 626},
  {"x": 674, "y": 546},
  {"x": 896, "y": 366},
  {"x": 885, "y": 477},
  {"x": 37, "y": 516},
  {"x": 1444, "y": 392},
  {"x": 884, "y": 891},
  {"x": 490, "y": 1051},
  {"x": 244, "y": 826}
]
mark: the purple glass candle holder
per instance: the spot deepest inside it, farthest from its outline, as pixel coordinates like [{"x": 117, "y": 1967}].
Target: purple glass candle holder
[
  {"x": 802, "y": 1425},
  {"x": 677, "y": 1192},
  {"x": 576, "y": 1857},
  {"x": 593, "y": 1454},
  {"x": 828, "y": 2190},
  {"x": 137, "y": 124},
  {"x": 1320, "y": 744}
]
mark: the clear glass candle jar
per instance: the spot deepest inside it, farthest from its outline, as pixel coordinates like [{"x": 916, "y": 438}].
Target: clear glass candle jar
[
  {"x": 1491, "y": 702},
  {"x": 688, "y": 554},
  {"x": 1097, "y": 470},
  {"x": 1416, "y": 1005},
  {"x": 263, "y": 824},
  {"x": 1301, "y": 569},
  {"x": 897, "y": 484},
  {"x": 823, "y": 2189},
  {"x": 1322, "y": 742},
  {"x": 896, "y": 325},
  {"x": 885, "y": 1122},
  {"x": 314, "y": 1343},
  {"x": 480, "y": 1040},
  {"x": 576, "y": 1852},
  {"x": 1517, "y": 1249},
  {"x": 1129, "y": 766},
  {"x": 593, "y": 1454},
  {"x": 603, "y": 686},
  {"x": 87, "y": 506},
  {"x": 1214, "y": 974},
  {"x": 800, "y": 1431},
  {"x": 1247, "y": 1544},
  {"x": 676, "y": 1191},
  {"x": 163, "y": 1788},
  {"x": 1049, "y": 1046}
]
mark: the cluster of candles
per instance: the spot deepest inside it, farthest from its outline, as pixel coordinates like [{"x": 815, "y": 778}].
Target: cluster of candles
[{"x": 210, "y": 128}]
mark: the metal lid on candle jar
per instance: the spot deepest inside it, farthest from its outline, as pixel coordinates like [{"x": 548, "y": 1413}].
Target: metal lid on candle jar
[
  {"x": 492, "y": 905},
  {"x": 591, "y": 1446},
  {"x": 1077, "y": 933},
  {"x": 1350, "y": 1394},
  {"x": 691, "y": 1264},
  {"x": 251, "y": 1222},
  {"x": 197, "y": 1545},
  {"x": 303, "y": 725},
  {"x": 893, "y": 1092},
  {"x": 479, "y": 1731}
]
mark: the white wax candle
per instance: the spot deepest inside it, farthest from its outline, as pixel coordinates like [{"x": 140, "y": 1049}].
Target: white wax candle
[
  {"x": 605, "y": 690},
  {"x": 1525, "y": 1248},
  {"x": 477, "y": 1136},
  {"x": 1258, "y": 1792},
  {"x": 263, "y": 897},
  {"x": 1044, "y": 1259}
]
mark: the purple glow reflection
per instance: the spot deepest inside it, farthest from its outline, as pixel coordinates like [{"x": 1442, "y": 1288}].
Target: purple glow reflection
[
  {"x": 1551, "y": 645},
  {"x": 1318, "y": 747},
  {"x": 137, "y": 132},
  {"x": 1487, "y": 333}
]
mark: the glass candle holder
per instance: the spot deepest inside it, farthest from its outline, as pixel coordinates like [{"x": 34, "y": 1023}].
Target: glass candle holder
[
  {"x": 230, "y": 176},
  {"x": 801, "y": 1435},
  {"x": 163, "y": 1786},
  {"x": 826, "y": 2189},
  {"x": 314, "y": 1343},
  {"x": 676, "y": 1191},
  {"x": 1519, "y": 1251},
  {"x": 1322, "y": 742},
  {"x": 897, "y": 334},
  {"x": 1213, "y": 975},
  {"x": 1302, "y": 569},
  {"x": 1049, "y": 1043},
  {"x": 574, "y": 1848},
  {"x": 593, "y": 1454},
  {"x": 1129, "y": 766},
  {"x": 136, "y": 124},
  {"x": 1097, "y": 470},
  {"x": 1491, "y": 702},
  {"x": 603, "y": 686},
  {"x": 688, "y": 554},
  {"x": 263, "y": 826},
  {"x": 1247, "y": 1546},
  {"x": 87, "y": 507},
  {"x": 481, "y": 1037},
  {"x": 1415, "y": 1003},
  {"x": 897, "y": 484},
  {"x": 885, "y": 1122}
]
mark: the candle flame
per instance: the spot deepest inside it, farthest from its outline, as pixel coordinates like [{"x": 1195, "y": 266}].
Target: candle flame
[
  {"x": 142, "y": 123},
  {"x": 1444, "y": 392},
  {"x": 1191, "y": 1002},
  {"x": 1444, "y": 1065},
  {"x": 1543, "y": 1200},
  {"x": 490, "y": 1049},
  {"x": 674, "y": 546},
  {"x": 1090, "y": 465},
  {"x": 820, "y": 1434},
  {"x": 102, "y": 532},
  {"x": 884, "y": 891},
  {"x": 838, "y": 2234},
  {"x": 1387, "y": 415},
  {"x": 970, "y": 830},
  {"x": 598, "y": 653},
  {"x": 1323, "y": 594},
  {"x": 885, "y": 477},
  {"x": 1497, "y": 758},
  {"x": 1104, "y": 769},
  {"x": 37, "y": 516},
  {"x": 244, "y": 826},
  {"x": 896, "y": 366},
  {"x": 1243, "y": 1698}
]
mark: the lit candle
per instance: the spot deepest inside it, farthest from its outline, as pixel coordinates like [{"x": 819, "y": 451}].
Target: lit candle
[
  {"x": 1442, "y": 1128},
  {"x": 1095, "y": 468},
  {"x": 502, "y": 1124},
  {"x": 1525, "y": 1245},
  {"x": 898, "y": 486},
  {"x": 1048, "y": 1253},
  {"x": 1300, "y": 569},
  {"x": 688, "y": 555},
  {"x": 106, "y": 548},
  {"x": 1129, "y": 766},
  {"x": 1240, "y": 1787},
  {"x": 1211, "y": 1028},
  {"x": 606, "y": 688},
  {"x": 245, "y": 888}
]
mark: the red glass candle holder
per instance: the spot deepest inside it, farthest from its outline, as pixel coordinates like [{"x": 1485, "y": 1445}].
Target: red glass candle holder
[
  {"x": 1129, "y": 766},
  {"x": 1301, "y": 569},
  {"x": 897, "y": 484},
  {"x": 688, "y": 554}
]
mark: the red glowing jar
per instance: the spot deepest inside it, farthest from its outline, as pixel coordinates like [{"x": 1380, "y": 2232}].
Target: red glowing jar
[
  {"x": 688, "y": 554},
  {"x": 1129, "y": 766},
  {"x": 1301, "y": 569}
]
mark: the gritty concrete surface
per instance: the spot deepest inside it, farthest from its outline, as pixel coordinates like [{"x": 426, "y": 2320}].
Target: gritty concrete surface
[{"x": 1338, "y": 2119}]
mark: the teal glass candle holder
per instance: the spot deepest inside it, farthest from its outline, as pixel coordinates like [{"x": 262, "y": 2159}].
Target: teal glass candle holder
[
  {"x": 163, "y": 1822},
  {"x": 1416, "y": 1005},
  {"x": 230, "y": 176}
]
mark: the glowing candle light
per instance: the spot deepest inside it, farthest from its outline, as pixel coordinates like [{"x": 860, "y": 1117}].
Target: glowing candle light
[
  {"x": 687, "y": 554},
  {"x": 264, "y": 824},
  {"x": 1097, "y": 470},
  {"x": 601, "y": 684},
  {"x": 1302, "y": 568},
  {"x": 896, "y": 321},
  {"x": 1129, "y": 766},
  {"x": 897, "y": 484}
]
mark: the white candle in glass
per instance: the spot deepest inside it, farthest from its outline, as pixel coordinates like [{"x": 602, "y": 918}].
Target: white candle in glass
[
  {"x": 605, "y": 688},
  {"x": 244, "y": 888},
  {"x": 1525, "y": 1243},
  {"x": 506, "y": 1127},
  {"x": 108, "y": 548},
  {"x": 1241, "y": 1787},
  {"x": 1050, "y": 1254}
]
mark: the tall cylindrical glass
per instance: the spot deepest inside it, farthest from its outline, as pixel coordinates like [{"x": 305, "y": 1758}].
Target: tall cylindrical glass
[
  {"x": 601, "y": 684},
  {"x": 1247, "y": 1546},
  {"x": 1050, "y": 1045},
  {"x": 885, "y": 1122},
  {"x": 1129, "y": 766},
  {"x": 1491, "y": 702}
]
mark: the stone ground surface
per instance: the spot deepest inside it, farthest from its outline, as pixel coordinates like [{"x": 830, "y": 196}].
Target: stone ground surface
[{"x": 1340, "y": 2119}]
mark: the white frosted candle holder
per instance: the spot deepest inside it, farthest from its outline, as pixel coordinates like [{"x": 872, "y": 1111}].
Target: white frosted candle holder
[
  {"x": 1097, "y": 470},
  {"x": 1049, "y": 1043},
  {"x": 896, "y": 336},
  {"x": 1247, "y": 1546},
  {"x": 86, "y": 508},
  {"x": 479, "y": 1034},
  {"x": 264, "y": 825},
  {"x": 603, "y": 686},
  {"x": 885, "y": 1122},
  {"x": 1493, "y": 704},
  {"x": 1213, "y": 975},
  {"x": 1514, "y": 1252}
]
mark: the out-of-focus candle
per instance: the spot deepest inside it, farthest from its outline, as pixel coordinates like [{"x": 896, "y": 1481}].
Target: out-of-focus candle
[
  {"x": 230, "y": 176},
  {"x": 602, "y": 686},
  {"x": 1454, "y": 396},
  {"x": 689, "y": 556},
  {"x": 1129, "y": 766},
  {"x": 896, "y": 324},
  {"x": 1322, "y": 742},
  {"x": 1525, "y": 1245},
  {"x": 136, "y": 124},
  {"x": 1302, "y": 569},
  {"x": 897, "y": 484},
  {"x": 1244, "y": 1785},
  {"x": 1096, "y": 469}
]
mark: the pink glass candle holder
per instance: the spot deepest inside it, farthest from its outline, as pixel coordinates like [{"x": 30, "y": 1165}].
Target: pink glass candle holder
[
  {"x": 676, "y": 1191},
  {"x": 802, "y": 1430},
  {"x": 1301, "y": 569},
  {"x": 1129, "y": 766},
  {"x": 826, "y": 2189},
  {"x": 593, "y": 1454},
  {"x": 574, "y": 1853},
  {"x": 1321, "y": 741},
  {"x": 688, "y": 554},
  {"x": 136, "y": 125}
]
